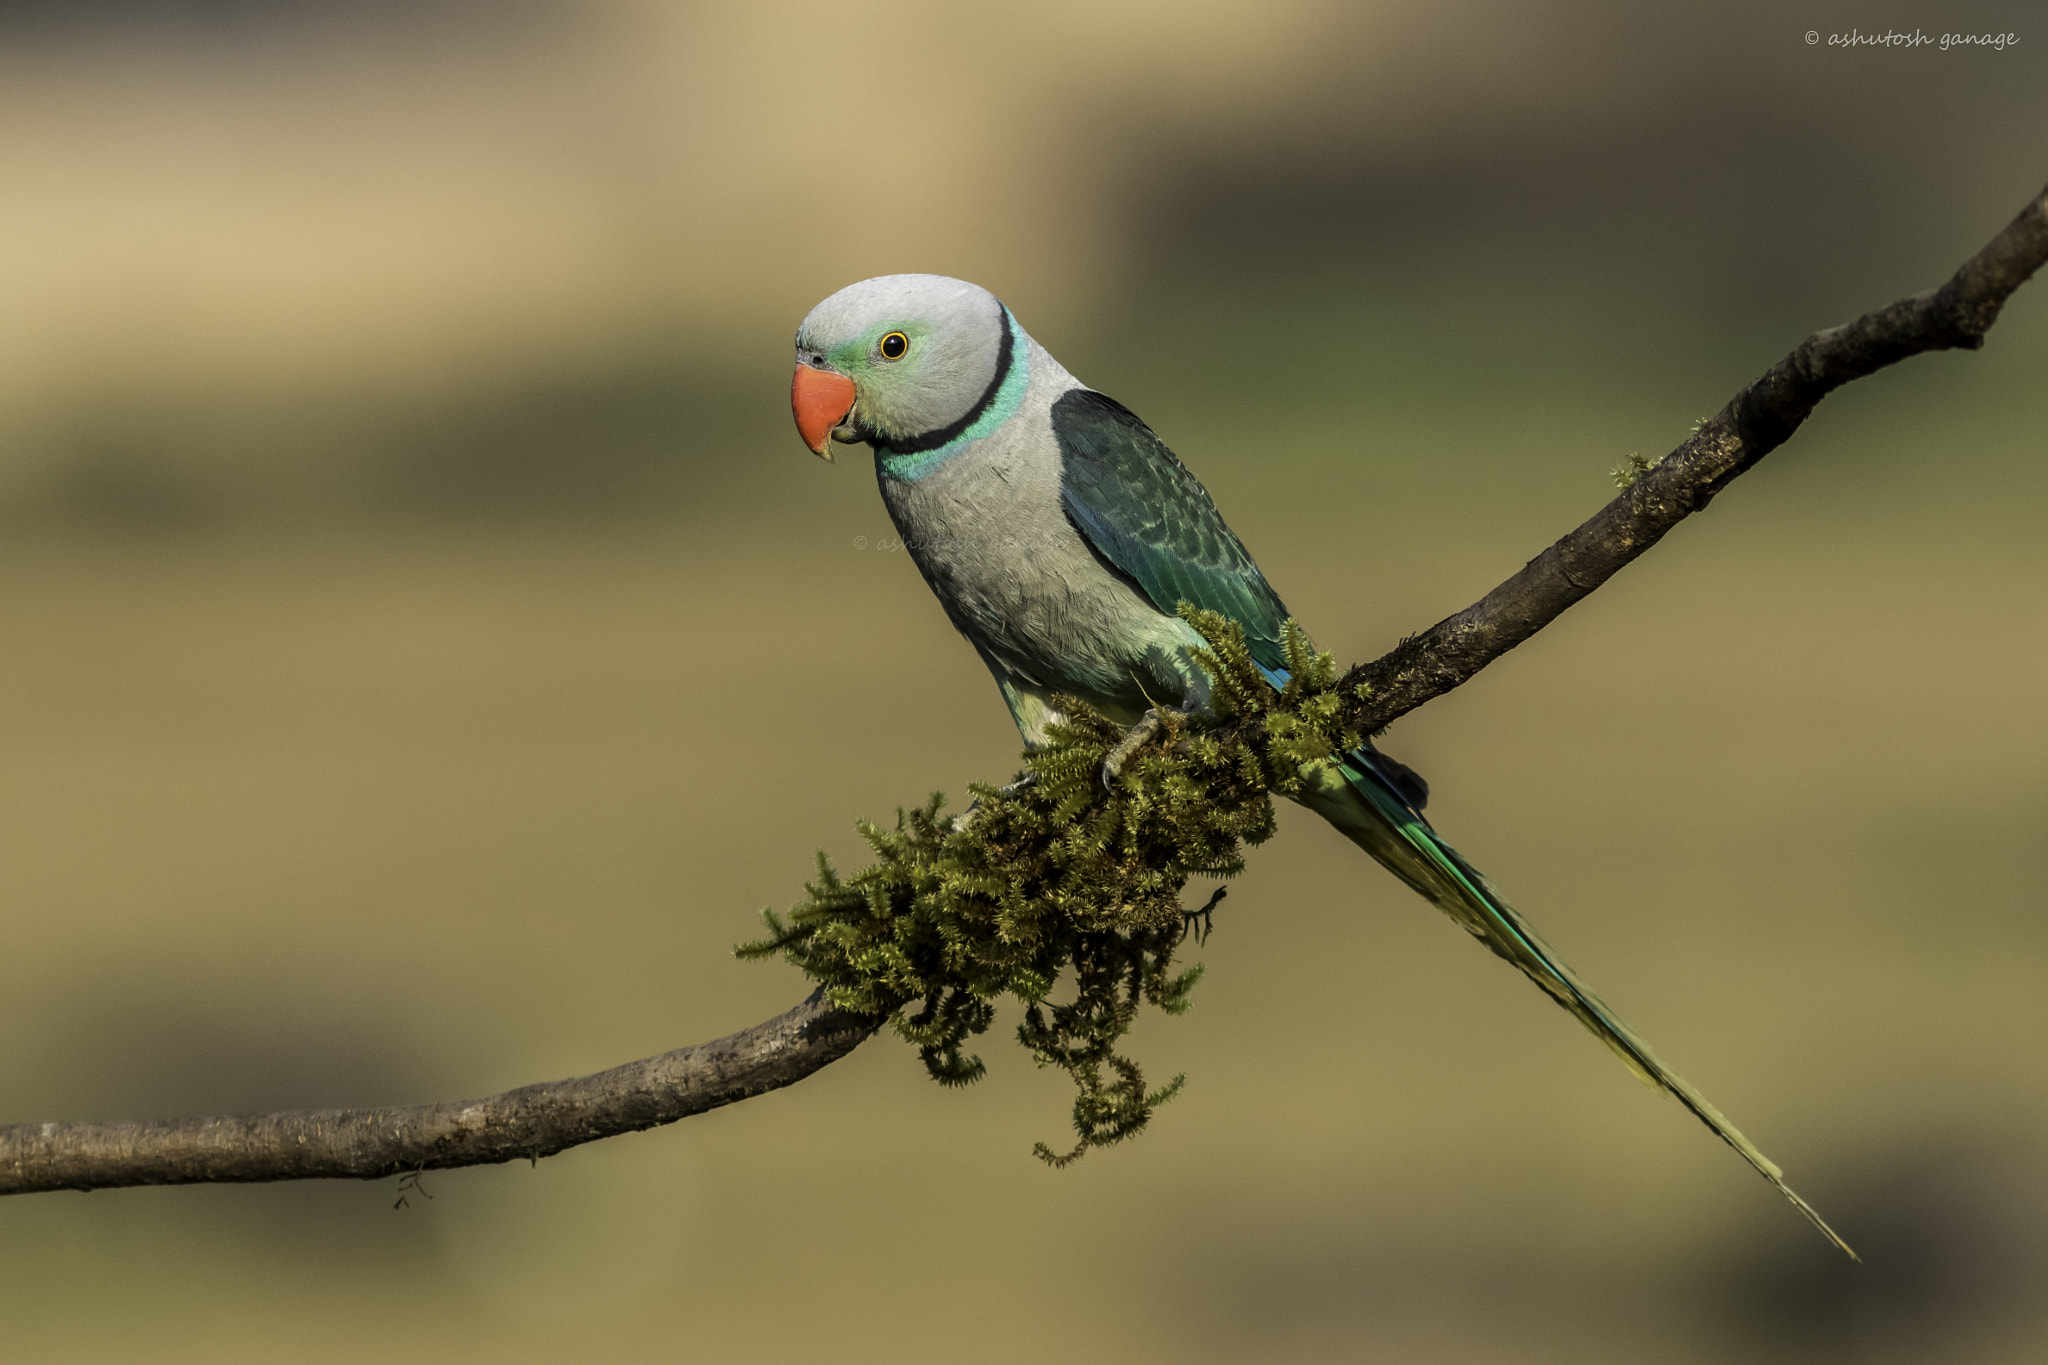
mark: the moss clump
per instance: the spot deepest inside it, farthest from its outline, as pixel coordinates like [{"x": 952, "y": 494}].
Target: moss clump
[
  {"x": 1055, "y": 876},
  {"x": 1633, "y": 468}
]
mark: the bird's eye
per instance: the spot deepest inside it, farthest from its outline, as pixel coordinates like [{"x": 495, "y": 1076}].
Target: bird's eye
[{"x": 894, "y": 345}]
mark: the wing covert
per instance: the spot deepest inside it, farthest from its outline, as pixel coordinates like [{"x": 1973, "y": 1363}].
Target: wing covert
[{"x": 1143, "y": 512}]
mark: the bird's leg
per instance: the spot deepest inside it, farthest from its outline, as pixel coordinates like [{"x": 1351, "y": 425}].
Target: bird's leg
[{"x": 1133, "y": 740}]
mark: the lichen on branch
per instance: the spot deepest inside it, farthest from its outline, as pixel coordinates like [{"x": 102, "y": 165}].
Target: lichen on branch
[{"x": 1062, "y": 893}]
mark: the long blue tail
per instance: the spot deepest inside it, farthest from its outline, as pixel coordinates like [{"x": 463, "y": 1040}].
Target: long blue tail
[{"x": 1375, "y": 805}]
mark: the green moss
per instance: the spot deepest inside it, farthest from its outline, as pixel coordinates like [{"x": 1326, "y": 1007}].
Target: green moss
[
  {"x": 1634, "y": 467},
  {"x": 1058, "y": 887}
]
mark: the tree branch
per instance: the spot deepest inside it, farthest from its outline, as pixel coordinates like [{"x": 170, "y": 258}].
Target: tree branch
[
  {"x": 368, "y": 1144},
  {"x": 540, "y": 1120},
  {"x": 1756, "y": 421}
]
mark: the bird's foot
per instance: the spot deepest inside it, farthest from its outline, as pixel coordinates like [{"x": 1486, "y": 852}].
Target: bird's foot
[{"x": 1133, "y": 740}]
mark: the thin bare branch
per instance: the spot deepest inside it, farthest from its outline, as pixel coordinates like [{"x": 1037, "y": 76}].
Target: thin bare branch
[
  {"x": 1756, "y": 421},
  {"x": 368, "y": 1144}
]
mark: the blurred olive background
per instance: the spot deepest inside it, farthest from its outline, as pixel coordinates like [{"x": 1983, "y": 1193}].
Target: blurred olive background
[{"x": 427, "y": 646}]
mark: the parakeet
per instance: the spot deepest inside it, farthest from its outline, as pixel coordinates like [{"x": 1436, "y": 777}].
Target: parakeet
[{"x": 1061, "y": 536}]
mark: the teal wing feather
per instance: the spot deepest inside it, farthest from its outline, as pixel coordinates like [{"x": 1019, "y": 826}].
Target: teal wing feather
[{"x": 1144, "y": 513}]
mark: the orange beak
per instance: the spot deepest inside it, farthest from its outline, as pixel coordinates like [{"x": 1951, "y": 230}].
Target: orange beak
[{"x": 820, "y": 399}]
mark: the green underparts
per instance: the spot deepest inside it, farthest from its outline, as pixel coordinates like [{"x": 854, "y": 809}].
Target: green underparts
[{"x": 1064, "y": 895}]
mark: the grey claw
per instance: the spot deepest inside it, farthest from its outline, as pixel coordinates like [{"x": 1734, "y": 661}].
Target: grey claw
[{"x": 1133, "y": 740}]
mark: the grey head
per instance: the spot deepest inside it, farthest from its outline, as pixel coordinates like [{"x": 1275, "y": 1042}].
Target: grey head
[{"x": 925, "y": 355}]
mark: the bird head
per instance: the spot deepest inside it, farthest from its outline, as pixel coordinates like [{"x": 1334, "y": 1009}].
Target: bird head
[{"x": 893, "y": 358}]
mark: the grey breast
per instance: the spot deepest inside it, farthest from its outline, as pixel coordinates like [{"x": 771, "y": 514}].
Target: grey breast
[{"x": 988, "y": 530}]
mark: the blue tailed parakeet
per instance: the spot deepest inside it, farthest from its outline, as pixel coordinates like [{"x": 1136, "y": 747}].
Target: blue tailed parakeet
[{"x": 1061, "y": 536}]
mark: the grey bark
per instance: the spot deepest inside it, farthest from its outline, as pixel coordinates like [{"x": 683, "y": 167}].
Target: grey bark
[
  {"x": 368, "y": 1144},
  {"x": 540, "y": 1120}
]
